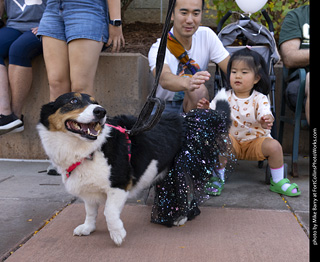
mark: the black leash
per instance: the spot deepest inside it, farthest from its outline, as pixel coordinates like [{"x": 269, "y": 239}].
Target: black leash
[{"x": 145, "y": 120}]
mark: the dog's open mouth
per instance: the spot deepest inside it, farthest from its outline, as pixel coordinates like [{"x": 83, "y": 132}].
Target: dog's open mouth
[{"x": 88, "y": 130}]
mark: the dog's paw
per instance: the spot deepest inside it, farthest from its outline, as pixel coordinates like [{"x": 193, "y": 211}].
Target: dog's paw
[
  {"x": 180, "y": 221},
  {"x": 118, "y": 236},
  {"x": 83, "y": 230}
]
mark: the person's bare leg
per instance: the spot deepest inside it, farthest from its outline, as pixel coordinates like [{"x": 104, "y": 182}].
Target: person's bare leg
[
  {"x": 56, "y": 55},
  {"x": 20, "y": 79},
  {"x": 272, "y": 150},
  {"x": 192, "y": 98},
  {"x": 84, "y": 57},
  {"x": 5, "y": 108}
]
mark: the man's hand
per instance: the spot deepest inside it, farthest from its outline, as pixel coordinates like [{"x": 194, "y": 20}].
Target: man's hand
[
  {"x": 266, "y": 121},
  {"x": 197, "y": 80}
]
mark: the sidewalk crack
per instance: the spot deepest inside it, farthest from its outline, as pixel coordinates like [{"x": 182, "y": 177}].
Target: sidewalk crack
[
  {"x": 295, "y": 216},
  {"x": 6, "y": 178}
]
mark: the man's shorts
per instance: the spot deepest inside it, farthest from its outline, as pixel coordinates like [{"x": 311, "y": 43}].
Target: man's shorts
[
  {"x": 174, "y": 107},
  {"x": 67, "y": 20},
  {"x": 249, "y": 150}
]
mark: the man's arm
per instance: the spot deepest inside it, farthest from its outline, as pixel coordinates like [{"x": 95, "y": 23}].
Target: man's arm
[
  {"x": 292, "y": 55},
  {"x": 175, "y": 83},
  {"x": 224, "y": 64}
]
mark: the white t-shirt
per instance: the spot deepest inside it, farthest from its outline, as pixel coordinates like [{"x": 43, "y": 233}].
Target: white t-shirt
[
  {"x": 205, "y": 47},
  {"x": 246, "y": 114}
]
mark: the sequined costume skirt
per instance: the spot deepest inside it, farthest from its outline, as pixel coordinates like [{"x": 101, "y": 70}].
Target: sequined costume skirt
[{"x": 182, "y": 190}]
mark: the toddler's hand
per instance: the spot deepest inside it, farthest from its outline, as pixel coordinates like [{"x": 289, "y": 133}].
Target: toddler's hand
[
  {"x": 203, "y": 104},
  {"x": 267, "y": 121}
]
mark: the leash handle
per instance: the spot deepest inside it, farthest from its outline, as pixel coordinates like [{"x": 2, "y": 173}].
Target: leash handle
[
  {"x": 163, "y": 46},
  {"x": 145, "y": 120}
]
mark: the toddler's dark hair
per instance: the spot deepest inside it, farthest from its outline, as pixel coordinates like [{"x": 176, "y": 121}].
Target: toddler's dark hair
[{"x": 257, "y": 63}]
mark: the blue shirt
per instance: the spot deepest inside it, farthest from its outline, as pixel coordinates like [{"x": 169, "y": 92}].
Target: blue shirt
[{"x": 24, "y": 14}]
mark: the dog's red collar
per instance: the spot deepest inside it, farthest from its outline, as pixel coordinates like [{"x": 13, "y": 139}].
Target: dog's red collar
[
  {"x": 124, "y": 131},
  {"x": 120, "y": 129},
  {"x": 73, "y": 166}
]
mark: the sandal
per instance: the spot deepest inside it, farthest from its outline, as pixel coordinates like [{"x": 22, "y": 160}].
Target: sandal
[
  {"x": 276, "y": 187},
  {"x": 214, "y": 186}
]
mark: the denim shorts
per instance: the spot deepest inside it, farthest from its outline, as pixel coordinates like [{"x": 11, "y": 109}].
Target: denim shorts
[{"x": 75, "y": 19}]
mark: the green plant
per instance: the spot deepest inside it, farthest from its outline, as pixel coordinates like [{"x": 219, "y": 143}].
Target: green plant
[{"x": 277, "y": 10}]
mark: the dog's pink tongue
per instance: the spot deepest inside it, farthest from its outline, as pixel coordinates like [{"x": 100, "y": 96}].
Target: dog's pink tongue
[
  {"x": 93, "y": 131},
  {"x": 84, "y": 128}
]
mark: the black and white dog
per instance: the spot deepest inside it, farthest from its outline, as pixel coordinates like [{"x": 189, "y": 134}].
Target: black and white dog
[{"x": 99, "y": 162}]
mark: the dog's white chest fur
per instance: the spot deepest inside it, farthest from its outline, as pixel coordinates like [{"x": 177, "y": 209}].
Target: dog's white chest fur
[{"x": 90, "y": 178}]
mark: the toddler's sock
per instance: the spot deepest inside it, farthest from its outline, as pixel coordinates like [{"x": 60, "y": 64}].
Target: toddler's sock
[{"x": 277, "y": 175}]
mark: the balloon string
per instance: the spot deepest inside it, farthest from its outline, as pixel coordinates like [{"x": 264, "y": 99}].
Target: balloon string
[{"x": 247, "y": 30}]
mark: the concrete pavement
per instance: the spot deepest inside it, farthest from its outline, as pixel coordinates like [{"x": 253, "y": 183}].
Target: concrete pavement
[
  {"x": 247, "y": 222},
  {"x": 27, "y": 200}
]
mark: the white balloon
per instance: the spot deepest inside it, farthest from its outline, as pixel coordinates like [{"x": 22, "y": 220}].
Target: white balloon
[{"x": 251, "y": 6}]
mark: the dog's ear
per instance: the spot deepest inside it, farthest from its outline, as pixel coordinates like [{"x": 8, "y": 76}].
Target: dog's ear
[{"x": 46, "y": 111}]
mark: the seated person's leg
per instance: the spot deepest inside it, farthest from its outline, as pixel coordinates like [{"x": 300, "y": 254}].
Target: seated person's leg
[
  {"x": 8, "y": 121},
  {"x": 7, "y": 37},
  {"x": 272, "y": 150},
  {"x": 21, "y": 53}
]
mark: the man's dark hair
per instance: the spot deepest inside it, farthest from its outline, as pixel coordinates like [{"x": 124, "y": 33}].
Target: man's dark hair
[{"x": 202, "y": 4}]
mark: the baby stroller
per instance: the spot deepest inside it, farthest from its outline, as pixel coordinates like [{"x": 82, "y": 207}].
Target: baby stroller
[{"x": 238, "y": 35}]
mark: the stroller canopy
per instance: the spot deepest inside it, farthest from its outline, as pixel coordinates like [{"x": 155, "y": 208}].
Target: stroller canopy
[{"x": 256, "y": 34}]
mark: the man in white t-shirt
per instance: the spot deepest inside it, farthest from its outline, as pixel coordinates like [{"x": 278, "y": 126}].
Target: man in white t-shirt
[{"x": 202, "y": 46}]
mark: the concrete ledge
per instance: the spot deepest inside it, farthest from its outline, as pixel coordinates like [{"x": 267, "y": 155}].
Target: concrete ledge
[{"x": 122, "y": 84}]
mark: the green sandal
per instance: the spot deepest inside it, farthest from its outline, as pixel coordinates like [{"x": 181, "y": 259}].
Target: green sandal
[
  {"x": 212, "y": 187},
  {"x": 276, "y": 187}
]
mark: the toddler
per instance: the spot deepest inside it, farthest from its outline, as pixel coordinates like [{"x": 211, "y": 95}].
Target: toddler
[{"x": 252, "y": 118}]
